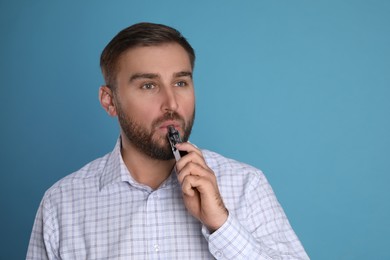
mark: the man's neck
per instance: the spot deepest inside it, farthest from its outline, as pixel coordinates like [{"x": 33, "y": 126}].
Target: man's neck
[{"x": 144, "y": 169}]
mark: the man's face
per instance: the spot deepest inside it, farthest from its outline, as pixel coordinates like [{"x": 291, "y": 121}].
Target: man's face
[{"x": 154, "y": 90}]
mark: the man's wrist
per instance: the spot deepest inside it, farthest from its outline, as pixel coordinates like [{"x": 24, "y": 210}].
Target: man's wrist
[{"x": 220, "y": 222}]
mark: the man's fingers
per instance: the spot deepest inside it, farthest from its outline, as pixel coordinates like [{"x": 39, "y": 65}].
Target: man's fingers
[
  {"x": 189, "y": 184},
  {"x": 193, "y": 183},
  {"x": 194, "y": 169},
  {"x": 188, "y": 147},
  {"x": 204, "y": 185}
]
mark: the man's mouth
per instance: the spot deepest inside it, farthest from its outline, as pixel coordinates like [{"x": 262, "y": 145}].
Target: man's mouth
[
  {"x": 173, "y": 119},
  {"x": 168, "y": 123}
]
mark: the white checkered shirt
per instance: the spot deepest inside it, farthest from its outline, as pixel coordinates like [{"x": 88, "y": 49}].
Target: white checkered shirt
[{"x": 100, "y": 212}]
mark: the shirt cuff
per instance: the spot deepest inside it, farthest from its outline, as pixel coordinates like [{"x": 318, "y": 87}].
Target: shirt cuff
[{"x": 229, "y": 241}]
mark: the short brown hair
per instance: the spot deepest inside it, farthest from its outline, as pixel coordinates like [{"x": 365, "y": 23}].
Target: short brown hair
[{"x": 140, "y": 34}]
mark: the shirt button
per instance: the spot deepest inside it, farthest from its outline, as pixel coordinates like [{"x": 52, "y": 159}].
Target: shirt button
[
  {"x": 156, "y": 247},
  {"x": 218, "y": 254},
  {"x": 156, "y": 196}
]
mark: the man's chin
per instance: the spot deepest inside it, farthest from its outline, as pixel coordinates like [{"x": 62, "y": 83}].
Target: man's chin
[
  {"x": 162, "y": 150},
  {"x": 162, "y": 154}
]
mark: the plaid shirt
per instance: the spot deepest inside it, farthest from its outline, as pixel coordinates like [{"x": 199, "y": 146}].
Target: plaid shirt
[{"x": 101, "y": 212}]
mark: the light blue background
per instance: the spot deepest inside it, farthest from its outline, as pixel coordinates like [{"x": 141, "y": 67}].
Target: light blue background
[{"x": 297, "y": 88}]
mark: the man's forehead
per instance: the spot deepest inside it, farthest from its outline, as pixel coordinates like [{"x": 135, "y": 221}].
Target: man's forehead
[{"x": 145, "y": 50}]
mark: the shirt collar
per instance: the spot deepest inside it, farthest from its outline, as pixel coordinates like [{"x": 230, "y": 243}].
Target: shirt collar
[
  {"x": 112, "y": 169},
  {"x": 116, "y": 171}
]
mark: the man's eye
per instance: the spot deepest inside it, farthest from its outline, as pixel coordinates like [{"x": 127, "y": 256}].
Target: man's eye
[
  {"x": 148, "y": 86},
  {"x": 181, "y": 84}
]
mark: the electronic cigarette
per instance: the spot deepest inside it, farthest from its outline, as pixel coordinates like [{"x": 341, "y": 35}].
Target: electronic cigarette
[{"x": 174, "y": 138}]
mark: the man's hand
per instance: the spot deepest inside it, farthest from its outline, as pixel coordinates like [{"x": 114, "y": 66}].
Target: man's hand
[{"x": 200, "y": 189}]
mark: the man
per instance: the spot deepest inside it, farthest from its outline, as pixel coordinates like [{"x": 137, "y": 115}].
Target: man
[{"x": 137, "y": 202}]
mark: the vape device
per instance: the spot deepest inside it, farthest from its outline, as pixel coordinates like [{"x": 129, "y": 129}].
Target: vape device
[{"x": 174, "y": 138}]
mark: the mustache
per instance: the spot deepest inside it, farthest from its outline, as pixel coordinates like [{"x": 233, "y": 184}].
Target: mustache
[{"x": 172, "y": 115}]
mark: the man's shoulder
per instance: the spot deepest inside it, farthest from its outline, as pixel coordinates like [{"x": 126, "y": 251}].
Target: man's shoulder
[
  {"x": 89, "y": 173},
  {"x": 218, "y": 162},
  {"x": 234, "y": 176}
]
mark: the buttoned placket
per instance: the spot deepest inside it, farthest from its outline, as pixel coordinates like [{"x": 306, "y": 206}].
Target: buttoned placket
[{"x": 153, "y": 212}]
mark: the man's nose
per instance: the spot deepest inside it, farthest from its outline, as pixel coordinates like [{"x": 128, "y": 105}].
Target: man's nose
[{"x": 169, "y": 99}]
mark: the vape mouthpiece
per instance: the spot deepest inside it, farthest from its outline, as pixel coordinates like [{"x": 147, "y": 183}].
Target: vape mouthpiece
[
  {"x": 174, "y": 138},
  {"x": 173, "y": 135}
]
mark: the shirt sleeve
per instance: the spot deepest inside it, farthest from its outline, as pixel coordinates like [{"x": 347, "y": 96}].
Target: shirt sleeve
[
  {"x": 42, "y": 243},
  {"x": 264, "y": 234}
]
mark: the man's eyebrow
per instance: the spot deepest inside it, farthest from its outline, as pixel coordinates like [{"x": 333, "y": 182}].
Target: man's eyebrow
[
  {"x": 183, "y": 74},
  {"x": 154, "y": 76},
  {"x": 143, "y": 76}
]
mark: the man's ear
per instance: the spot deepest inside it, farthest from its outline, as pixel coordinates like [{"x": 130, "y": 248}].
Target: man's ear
[{"x": 107, "y": 100}]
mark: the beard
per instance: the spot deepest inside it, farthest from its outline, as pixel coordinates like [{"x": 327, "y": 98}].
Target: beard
[{"x": 145, "y": 140}]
